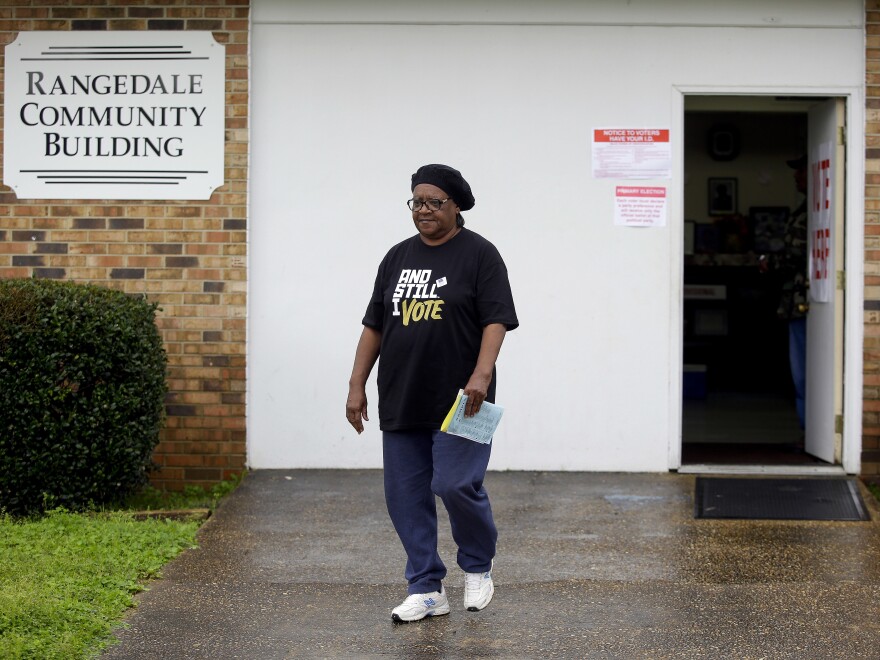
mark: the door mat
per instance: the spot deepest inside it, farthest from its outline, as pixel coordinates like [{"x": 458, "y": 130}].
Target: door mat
[{"x": 779, "y": 499}]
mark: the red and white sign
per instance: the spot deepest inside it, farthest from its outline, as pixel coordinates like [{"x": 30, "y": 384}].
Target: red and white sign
[
  {"x": 631, "y": 153},
  {"x": 640, "y": 206},
  {"x": 820, "y": 219}
]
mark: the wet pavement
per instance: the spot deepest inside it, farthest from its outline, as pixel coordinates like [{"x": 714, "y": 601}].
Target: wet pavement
[{"x": 305, "y": 564}]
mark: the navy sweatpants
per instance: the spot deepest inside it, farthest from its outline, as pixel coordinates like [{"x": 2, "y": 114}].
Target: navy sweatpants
[{"x": 419, "y": 465}]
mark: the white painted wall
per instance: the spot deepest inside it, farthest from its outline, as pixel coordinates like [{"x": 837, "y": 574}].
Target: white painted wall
[{"x": 344, "y": 112}]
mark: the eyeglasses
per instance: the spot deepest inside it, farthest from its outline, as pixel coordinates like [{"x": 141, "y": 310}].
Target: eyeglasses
[{"x": 432, "y": 204}]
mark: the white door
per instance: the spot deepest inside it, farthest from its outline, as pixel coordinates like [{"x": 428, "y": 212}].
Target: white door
[{"x": 825, "y": 199}]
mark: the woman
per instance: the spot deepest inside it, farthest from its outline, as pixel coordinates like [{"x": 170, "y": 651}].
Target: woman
[{"x": 440, "y": 309}]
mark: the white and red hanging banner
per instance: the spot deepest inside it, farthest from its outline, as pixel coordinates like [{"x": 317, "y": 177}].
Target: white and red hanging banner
[{"x": 820, "y": 220}]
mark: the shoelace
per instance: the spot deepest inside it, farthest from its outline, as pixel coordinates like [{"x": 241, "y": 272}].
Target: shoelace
[{"x": 472, "y": 583}]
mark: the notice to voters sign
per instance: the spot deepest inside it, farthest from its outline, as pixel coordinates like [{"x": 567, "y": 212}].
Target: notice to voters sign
[{"x": 631, "y": 153}]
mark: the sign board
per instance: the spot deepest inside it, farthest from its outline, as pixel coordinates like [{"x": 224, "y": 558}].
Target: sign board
[
  {"x": 821, "y": 216},
  {"x": 640, "y": 206},
  {"x": 114, "y": 115},
  {"x": 631, "y": 153},
  {"x": 705, "y": 292}
]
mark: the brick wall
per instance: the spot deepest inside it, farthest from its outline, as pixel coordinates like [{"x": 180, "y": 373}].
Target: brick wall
[
  {"x": 189, "y": 256},
  {"x": 871, "y": 396}
]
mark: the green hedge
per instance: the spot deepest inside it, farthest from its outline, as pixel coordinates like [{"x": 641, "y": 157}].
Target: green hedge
[{"x": 82, "y": 390}]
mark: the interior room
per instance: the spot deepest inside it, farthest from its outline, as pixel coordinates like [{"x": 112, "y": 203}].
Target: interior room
[{"x": 738, "y": 398}]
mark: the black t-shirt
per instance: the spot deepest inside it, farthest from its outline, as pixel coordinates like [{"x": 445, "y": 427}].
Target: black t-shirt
[{"x": 431, "y": 304}]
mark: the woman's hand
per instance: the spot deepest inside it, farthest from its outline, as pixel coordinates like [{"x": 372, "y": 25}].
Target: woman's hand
[
  {"x": 365, "y": 357},
  {"x": 478, "y": 385},
  {"x": 356, "y": 409},
  {"x": 476, "y": 390}
]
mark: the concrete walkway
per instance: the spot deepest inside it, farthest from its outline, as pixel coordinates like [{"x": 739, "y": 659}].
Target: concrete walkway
[{"x": 305, "y": 564}]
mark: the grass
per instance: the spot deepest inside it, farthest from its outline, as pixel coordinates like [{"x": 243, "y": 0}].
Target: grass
[
  {"x": 874, "y": 487},
  {"x": 67, "y": 579},
  {"x": 191, "y": 497}
]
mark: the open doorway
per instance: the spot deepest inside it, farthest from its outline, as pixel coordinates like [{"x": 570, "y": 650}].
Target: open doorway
[{"x": 741, "y": 166}]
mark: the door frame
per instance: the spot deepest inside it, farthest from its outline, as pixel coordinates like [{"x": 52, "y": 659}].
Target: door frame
[{"x": 854, "y": 255}]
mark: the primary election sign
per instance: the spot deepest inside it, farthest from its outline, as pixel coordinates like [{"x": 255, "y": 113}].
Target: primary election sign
[
  {"x": 114, "y": 115},
  {"x": 640, "y": 206}
]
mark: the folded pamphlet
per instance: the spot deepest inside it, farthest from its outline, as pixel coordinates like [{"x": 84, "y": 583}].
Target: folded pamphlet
[{"x": 479, "y": 428}]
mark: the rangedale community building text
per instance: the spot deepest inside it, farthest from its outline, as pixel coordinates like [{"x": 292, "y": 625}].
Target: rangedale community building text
[
  {"x": 35, "y": 113},
  {"x": 245, "y": 165}
]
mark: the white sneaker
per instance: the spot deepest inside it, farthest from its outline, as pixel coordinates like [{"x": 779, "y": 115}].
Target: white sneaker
[
  {"x": 478, "y": 590},
  {"x": 418, "y": 606}
]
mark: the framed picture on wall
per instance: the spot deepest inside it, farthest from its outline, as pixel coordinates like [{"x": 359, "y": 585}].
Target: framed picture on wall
[
  {"x": 705, "y": 238},
  {"x": 768, "y": 227},
  {"x": 722, "y": 196}
]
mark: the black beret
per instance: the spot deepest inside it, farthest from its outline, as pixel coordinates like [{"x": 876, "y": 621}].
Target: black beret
[{"x": 449, "y": 180}]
